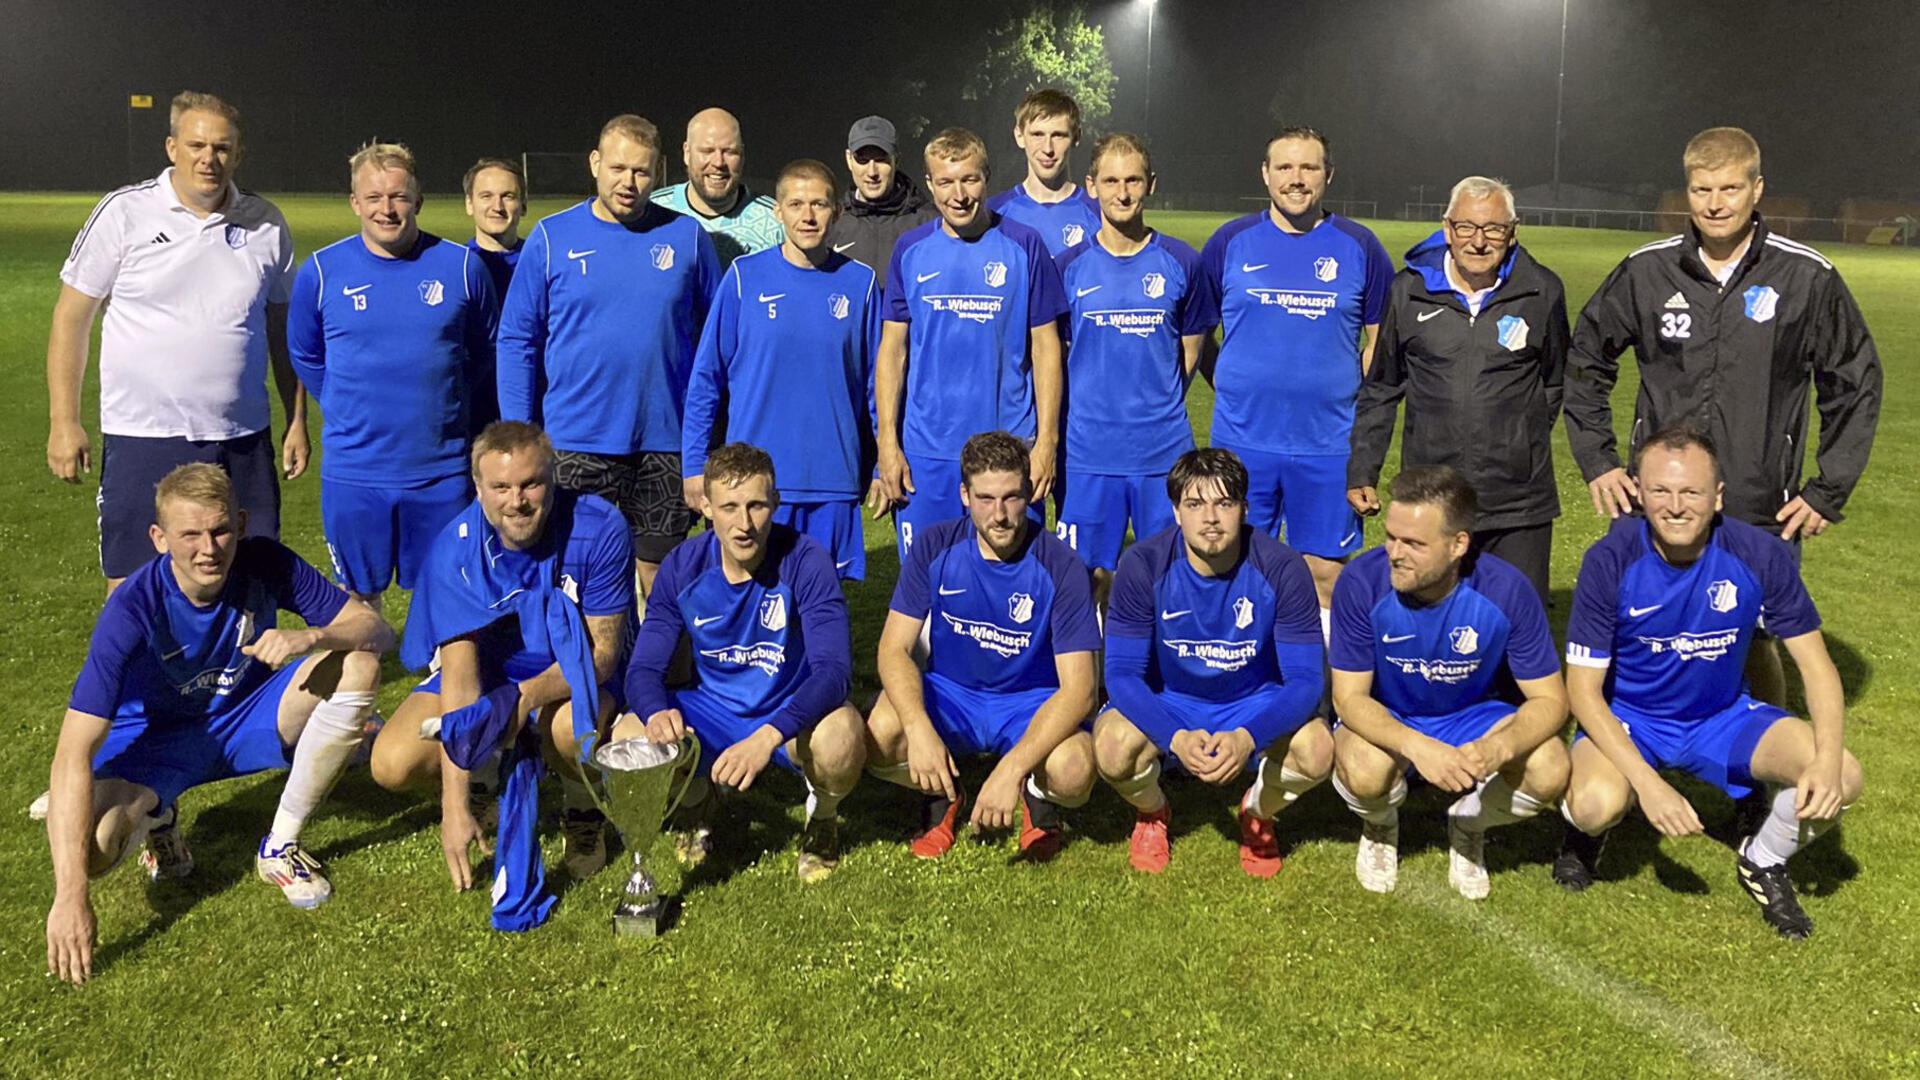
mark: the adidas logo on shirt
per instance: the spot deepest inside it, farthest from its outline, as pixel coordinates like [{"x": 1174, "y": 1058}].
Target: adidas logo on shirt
[
  {"x": 160, "y": 238},
  {"x": 1676, "y": 302}
]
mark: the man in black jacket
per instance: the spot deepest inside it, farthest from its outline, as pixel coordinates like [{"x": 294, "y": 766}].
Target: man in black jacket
[
  {"x": 883, "y": 202},
  {"x": 1475, "y": 339}
]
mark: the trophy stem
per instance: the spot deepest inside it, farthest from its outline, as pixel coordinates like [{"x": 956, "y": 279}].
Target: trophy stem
[{"x": 641, "y": 907}]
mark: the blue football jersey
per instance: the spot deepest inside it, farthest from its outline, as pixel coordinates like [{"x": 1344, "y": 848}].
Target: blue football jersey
[
  {"x": 1061, "y": 225},
  {"x": 156, "y": 654},
  {"x": 1214, "y": 638},
  {"x": 396, "y": 351},
  {"x": 1435, "y": 659},
  {"x": 1293, "y": 308},
  {"x": 969, "y": 306},
  {"x": 1675, "y": 638},
  {"x": 598, "y": 328},
  {"x": 499, "y": 264},
  {"x": 1126, "y": 399},
  {"x": 997, "y": 626},
  {"x": 788, "y": 353},
  {"x": 777, "y": 647}
]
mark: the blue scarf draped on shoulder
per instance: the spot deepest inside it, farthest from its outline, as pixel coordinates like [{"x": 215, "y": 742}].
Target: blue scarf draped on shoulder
[{"x": 469, "y": 583}]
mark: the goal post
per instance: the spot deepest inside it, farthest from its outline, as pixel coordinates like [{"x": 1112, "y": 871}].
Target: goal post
[{"x": 556, "y": 173}]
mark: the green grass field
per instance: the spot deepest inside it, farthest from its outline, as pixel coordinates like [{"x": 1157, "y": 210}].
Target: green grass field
[{"x": 972, "y": 966}]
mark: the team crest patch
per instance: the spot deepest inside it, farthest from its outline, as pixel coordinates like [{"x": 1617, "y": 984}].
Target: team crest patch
[
  {"x": 1465, "y": 639},
  {"x": 1326, "y": 268},
  {"x": 839, "y": 305},
  {"x": 1020, "y": 607},
  {"x": 432, "y": 292},
  {"x": 1761, "y": 300},
  {"x": 1723, "y": 596},
  {"x": 996, "y": 274},
  {"x": 1513, "y": 332},
  {"x": 773, "y": 613},
  {"x": 236, "y": 237},
  {"x": 662, "y": 256},
  {"x": 1072, "y": 234},
  {"x": 1242, "y": 613},
  {"x": 1154, "y": 285}
]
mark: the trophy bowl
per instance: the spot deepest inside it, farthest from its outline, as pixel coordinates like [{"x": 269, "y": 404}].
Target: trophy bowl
[{"x": 639, "y": 795}]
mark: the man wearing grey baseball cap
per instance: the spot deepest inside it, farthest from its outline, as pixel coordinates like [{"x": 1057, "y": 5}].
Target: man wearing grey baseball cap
[{"x": 882, "y": 202}]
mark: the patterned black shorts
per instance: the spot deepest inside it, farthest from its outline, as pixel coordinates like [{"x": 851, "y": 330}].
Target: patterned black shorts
[{"x": 644, "y": 485}]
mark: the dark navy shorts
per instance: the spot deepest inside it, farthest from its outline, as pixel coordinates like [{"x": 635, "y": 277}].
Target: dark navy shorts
[{"x": 131, "y": 466}]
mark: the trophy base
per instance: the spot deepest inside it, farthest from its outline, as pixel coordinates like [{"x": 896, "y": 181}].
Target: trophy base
[{"x": 643, "y": 923}]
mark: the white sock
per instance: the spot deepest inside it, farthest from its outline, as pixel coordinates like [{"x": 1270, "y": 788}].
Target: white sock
[
  {"x": 896, "y": 773},
  {"x": 1267, "y": 799},
  {"x": 1379, "y": 810},
  {"x": 1493, "y": 802},
  {"x": 1135, "y": 788},
  {"x": 822, "y": 804},
  {"x": 1783, "y": 833},
  {"x": 1038, "y": 792},
  {"x": 1326, "y": 627},
  {"x": 331, "y": 736}
]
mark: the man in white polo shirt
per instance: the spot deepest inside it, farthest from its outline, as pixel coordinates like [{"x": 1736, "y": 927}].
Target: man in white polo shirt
[{"x": 194, "y": 275}]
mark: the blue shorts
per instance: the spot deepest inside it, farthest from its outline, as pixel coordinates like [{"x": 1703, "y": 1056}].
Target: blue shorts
[
  {"x": 1305, "y": 493},
  {"x": 131, "y": 466},
  {"x": 973, "y": 721},
  {"x": 376, "y": 533},
  {"x": 838, "y": 528},
  {"x": 1460, "y": 728},
  {"x": 1095, "y": 509},
  {"x": 720, "y": 727},
  {"x": 170, "y": 758},
  {"x": 1199, "y": 714},
  {"x": 494, "y": 679},
  {"x": 1717, "y": 749},
  {"x": 936, "y": 498}
]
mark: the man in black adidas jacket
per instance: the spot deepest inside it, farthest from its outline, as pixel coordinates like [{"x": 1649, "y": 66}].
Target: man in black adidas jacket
[
  {"x": 1475, "y": 339},
  {"x": 883, "y": 202},
  {"x": 1735, "y": 327}
]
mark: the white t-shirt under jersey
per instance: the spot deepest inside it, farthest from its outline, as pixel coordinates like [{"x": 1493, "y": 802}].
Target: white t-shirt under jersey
[{"x": 183, "y": 343}]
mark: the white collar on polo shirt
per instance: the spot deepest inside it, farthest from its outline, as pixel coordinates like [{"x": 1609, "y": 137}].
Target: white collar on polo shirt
[{"x": 172, "y": 195}]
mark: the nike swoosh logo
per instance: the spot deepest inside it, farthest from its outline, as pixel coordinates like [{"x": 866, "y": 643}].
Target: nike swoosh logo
[
  {"x": 708, "y": 619},
  {"x": 1248, "y": 268},
  {"x": 843, "y": 564},
  {"x": 1078, "y": 293},
  {"x": 944, "y": 591},
  {"x": 1389, "y": 639},
  {"x": 1429, "y": 315},
  {"x": 765, "y": 299},
  {"x": 1636, "y": 612},
  {"x": 356, "y": 290},
  {"x": 838, "y": 248},
  {"x": 572, "y": 254},
  {"x": 1347, "y": 539},
  {"x": 924, "y": 278},
  {"x": 1171, "y": 615}
]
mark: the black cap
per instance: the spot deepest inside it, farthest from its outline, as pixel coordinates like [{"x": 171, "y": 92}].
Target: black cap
[{"x": 872, "y": 131}]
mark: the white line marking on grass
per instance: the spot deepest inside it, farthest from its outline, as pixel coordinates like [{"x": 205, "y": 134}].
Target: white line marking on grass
[{"x": 1704, "y": 1042}]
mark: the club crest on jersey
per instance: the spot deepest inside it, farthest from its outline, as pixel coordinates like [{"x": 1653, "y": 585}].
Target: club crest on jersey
[
  {"x": 1154, "y": 285},
  {"x": 1242, "y": 613},
  {"x": 996, "y": 274},
  {"x": 1723, "y": 596},
  {"x": 839, "y": 305},
  {"x": 1761, "y": 300},
  {"x": 662, "y": 255},
  {"x": 1513, "y": 332},
  {"x": 1020, "y": 607},
  {"x": 773, "y": 613},
  {"x": 236, "y": 237},
  {"x": 1072, "y": 234},
  {"x": 1326, "y": 268},
  {"x": 432, "y": 292},
  {"x": 1465, "y": 639}
]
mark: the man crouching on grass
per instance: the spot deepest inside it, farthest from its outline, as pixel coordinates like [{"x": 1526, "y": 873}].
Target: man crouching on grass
[{"x": 188, "y": 681}]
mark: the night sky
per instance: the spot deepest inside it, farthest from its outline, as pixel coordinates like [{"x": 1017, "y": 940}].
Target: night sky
[{"x": 1411, "y": 93}]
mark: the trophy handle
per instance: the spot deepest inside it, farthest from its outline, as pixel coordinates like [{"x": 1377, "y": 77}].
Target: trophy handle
[{"x": 691, "y": 747}]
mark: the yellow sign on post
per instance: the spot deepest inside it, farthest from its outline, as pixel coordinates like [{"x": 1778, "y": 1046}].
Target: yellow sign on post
[{"x": 140, "y": 101}]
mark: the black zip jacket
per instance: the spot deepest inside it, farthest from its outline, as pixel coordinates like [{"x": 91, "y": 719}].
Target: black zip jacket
[
  {"x": 1736, "y": 361},
  {"x": 1482, "y": 390},
  {"x": 868, "y": 230}
]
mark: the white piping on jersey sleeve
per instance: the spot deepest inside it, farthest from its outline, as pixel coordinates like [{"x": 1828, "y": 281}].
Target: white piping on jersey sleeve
[{"x": 1582, "y": 656}]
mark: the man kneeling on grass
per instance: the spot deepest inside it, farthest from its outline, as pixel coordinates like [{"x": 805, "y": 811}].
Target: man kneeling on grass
[
  {"x": 773, "y": 649},
  {"x": 188, "y": 681},
  {"x": 1442, "y": 663},
  {"x": 1213, "y": 659}
]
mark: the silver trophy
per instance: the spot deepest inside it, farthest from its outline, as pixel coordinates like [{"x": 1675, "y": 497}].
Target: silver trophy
[{"x": 639, "y": 795}]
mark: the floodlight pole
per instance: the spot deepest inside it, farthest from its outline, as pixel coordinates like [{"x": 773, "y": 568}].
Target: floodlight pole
[
  {"x": 1146, "y": 120},
  {"x": 1559, "y": 104}
]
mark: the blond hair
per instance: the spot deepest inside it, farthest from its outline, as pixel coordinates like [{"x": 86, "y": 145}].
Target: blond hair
[
  {"x": 1719, "y": 147},
  {"x": 1119, "y": 142},
  {"x": 511, "y": 437},
  {"x": 808, "y": 169},
  {"x": 197, "y": 482},
  {"x": 635, "y": 127},
  {"x": 956, "y": 144},
  {"x": 382, "y": 156},
  {"x": 736, "y": 463},
  {"x": 187, "y": 101}
]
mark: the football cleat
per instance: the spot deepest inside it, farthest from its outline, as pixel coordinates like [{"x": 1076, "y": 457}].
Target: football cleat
[
  {"x": 1259, "y": 846},
  {"x": 1377, "y": 862},
  {"x": 1773, "y": 891},
  {"x": 941, "y": 816},
  {"x": 819, "y": 849},
  {"x": 1467, "y": 861},
  {"x": 585, "y": 832},
  {"x": 1149, "y": 849},
  {"x": 1040, "y": 827},
  {"x": 166, "y": 855},
  {"x": 1574, "y": 868},
  {"x": 298, "y": 874}
]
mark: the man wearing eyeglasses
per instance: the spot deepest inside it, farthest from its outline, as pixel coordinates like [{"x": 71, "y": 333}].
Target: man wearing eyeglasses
[{"x": 1475, "y": 339}]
